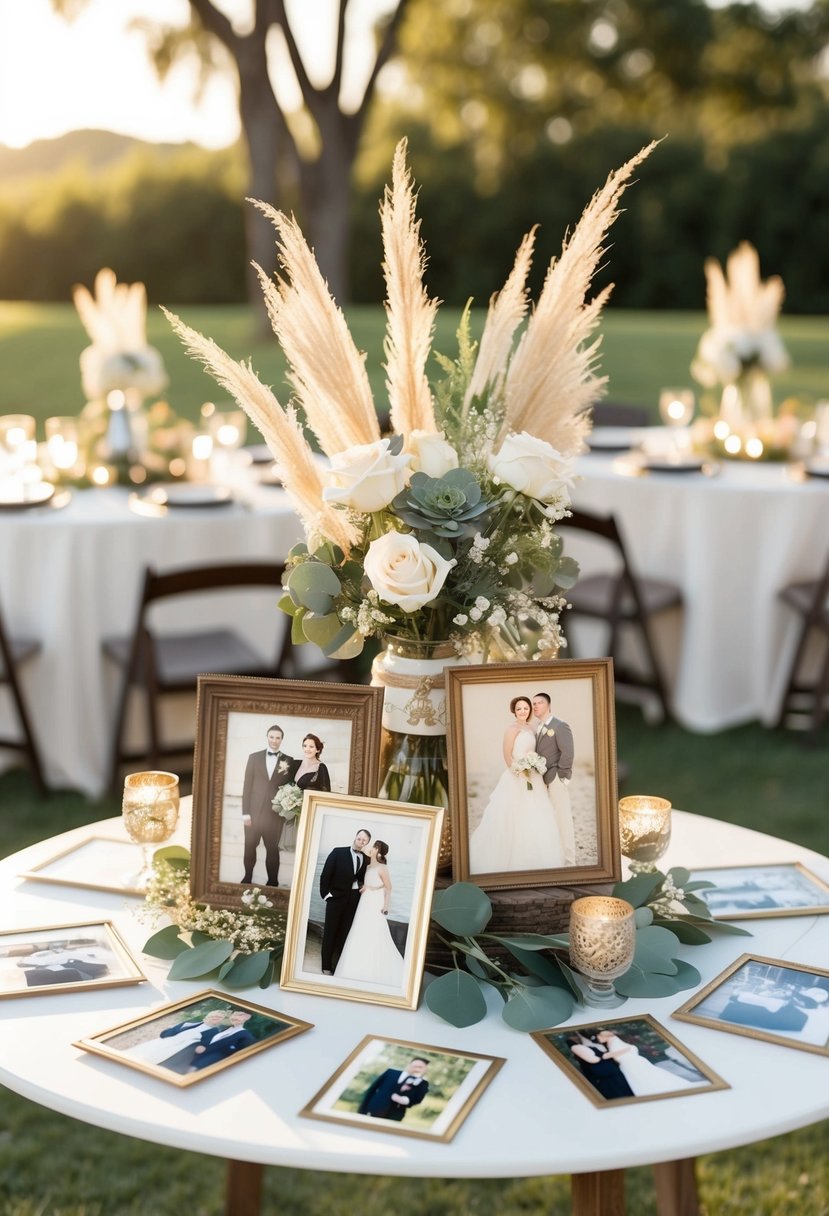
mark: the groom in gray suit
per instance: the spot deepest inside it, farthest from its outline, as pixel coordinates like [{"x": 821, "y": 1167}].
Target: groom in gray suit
[{"x": 554, "y": 741}]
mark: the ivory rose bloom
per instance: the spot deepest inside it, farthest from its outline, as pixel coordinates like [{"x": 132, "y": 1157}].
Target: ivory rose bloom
[
  {"x": 431, "y": 454},
  {"x": 404, "y": 572},
  {"x": 367, "y": 477},
  {"x": 533, "y": 467}
]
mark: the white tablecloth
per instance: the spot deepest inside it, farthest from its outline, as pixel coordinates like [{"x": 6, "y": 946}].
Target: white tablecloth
[
  {"x": 71, "y": 577},
  {"x": 730, "y": 542}
]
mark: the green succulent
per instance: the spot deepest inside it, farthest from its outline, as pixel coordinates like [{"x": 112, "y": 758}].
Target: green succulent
[{"x": 451, "y": 506}]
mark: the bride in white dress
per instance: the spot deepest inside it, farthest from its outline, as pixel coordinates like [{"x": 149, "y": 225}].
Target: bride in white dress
[
  {"x": 642, "y": 1076},
  {"x": 157, "y": 1050},
  {"x": 370, "y": 954},
  {"x": 518, "y": 829}
]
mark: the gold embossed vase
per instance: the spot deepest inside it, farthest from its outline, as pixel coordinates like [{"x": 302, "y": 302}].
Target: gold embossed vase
[{"x": 602, "y": 945}]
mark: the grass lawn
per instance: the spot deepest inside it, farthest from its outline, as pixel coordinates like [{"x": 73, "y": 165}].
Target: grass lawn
[{"x": 54, "y": 1166}]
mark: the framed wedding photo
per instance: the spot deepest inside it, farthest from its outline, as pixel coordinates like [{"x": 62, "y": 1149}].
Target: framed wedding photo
[
  {"x": 260, "y": 746},
  {"x": 389, "y": 1085},
  {"x": 766, "y": 998},
  {"x": 618, "y": 1061},
  {"x": 358, "y": 916},
  {"x": 532, "y": 773},
  {"x": 65, "y": 958},
  {"x": 188, "y": 1040},
  {"x": 755, "y": 891}
]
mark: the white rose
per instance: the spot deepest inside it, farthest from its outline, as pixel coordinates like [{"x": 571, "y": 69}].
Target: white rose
[
  {"x": 431, "y": 454},
  {"x": 533, "y": 467},
  {"x": 367, "y": 477},
  {"x": 404, "y": 572}
]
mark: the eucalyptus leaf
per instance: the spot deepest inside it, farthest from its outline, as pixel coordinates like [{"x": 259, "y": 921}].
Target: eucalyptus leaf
[
  {"x": 537, "y": 1008},
  {"x": 174, "y": 854},
  {"x": 267, "y": 978},
  {"x": 197, "y": 937},
  {"x": 477, "y": 968},
  {"x": 725, "y": 926},
  {"x": 201, "y": 960},
  {"x": 463, "y": 909},
  {"x": 225, "y": 967},
  {"x": 696, "y": 905},
  {"x": 300, "y": 549},
  {"x": 297, "y": 627},
  {"x": 321, "y": 630},
  {"x": 639, "y": 889},
  {"x": 286, "y": 604},
  {"x": 679, "y": 876},
  {"x": 642, "y": 917},
  {"x": 531, "y": 941},
  {"x": 165, "y": 944},
  {"x": 540, "y": 965},
  {"x": 655, "y": 947},
  {"x": 567, "y": 573},
  {"x": 247, "y": 969},
  {"x": 572, "y": 982},
  {"x": 347, "y": 645},
  {"x": 699, "y": 884},
  {"x": 689, "y": 934},
  {"x": 312, "y": 585},
  {"x": 457, "y": 998},
  {"x": 650, "y": 984}
]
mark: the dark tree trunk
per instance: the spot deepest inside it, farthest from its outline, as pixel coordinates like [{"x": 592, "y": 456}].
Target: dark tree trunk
[{"x": 326, "y": 202}]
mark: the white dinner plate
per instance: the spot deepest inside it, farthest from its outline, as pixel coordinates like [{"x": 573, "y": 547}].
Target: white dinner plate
[
  {"x": 186, "y": 494},
  {"x": 36, "y": 495},
  {"x": 614, "y": 438},
  {"x": 673, "y": 464},
  {"x": 818, "y": 466}
]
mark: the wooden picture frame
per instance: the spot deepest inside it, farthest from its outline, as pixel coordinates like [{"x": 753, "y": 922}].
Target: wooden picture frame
[
  {"x": 179, "y": 1030},
  {"x": 766, "y": 998},
  {"x": 356, "y": 932},
  {"x": 759, "y": 890},
  {"x": 65, "y": 958},
  {"x": 234, "y": 716},
  {"x": 623, "y": 1077},
  {"x": 368, "y": 1075},
  {"x": 537, "y": 828}
]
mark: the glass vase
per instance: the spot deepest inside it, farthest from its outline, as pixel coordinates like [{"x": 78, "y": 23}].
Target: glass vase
[{"x": 747, "y": 400}]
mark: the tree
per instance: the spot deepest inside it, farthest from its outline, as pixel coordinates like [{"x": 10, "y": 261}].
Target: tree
[{"x": 320, "y": 164}]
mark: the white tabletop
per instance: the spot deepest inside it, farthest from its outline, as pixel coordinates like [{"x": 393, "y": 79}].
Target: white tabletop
[
  {"x": 72, "y": 577},
  {"x": 730, "y": 542},
  {"x": 531, "y": 1120}
]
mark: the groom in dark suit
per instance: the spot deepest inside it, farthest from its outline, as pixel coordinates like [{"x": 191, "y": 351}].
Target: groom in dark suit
[
  {"x": 266, "y": 771},
  {"x": 392, "y": 1093},
  {"x": 340, "y": 881},
  {"x": 225, "y": 1042}
]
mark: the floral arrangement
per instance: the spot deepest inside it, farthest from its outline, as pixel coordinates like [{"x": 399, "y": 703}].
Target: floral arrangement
[
  {"x": 445, "y": 528},
  {"x": 287, "y": 802},
  {"x": 529, "y": 763},
  {"x": 119, "y": 357}
]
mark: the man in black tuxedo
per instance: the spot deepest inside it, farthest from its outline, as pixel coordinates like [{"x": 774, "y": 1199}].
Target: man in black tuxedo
[
  {"x": 340, "y": 881},
  {"x": 393, "y": 1093},
  {"x": 225, "y": 1042},
  {"x": 266, "y": 771}
]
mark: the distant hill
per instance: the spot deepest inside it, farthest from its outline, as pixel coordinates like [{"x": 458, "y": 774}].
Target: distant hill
[{"x": 98, "y": 150}]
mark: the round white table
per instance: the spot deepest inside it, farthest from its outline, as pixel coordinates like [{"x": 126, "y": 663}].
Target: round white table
[
  {"x": 72, "y": 577},
  {"x": 730, "y": 542},
  {"x": 530, "y": 1121}
]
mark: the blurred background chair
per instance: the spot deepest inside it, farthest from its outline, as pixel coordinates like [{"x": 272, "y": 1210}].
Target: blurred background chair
[
  {"x": 624, "y": 601},
  {"x": 806, "y": 702},
  {"x": 15, "y": 651},
  {"x": 160, "y": 663},
  {"x": 612, "y": 413}
]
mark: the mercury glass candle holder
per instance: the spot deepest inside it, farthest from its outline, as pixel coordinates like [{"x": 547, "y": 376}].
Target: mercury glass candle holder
[
  {"x": 644, "y": 830},
  {"x": 150, "y": 814},
  {"x": 602, "y": 944}
]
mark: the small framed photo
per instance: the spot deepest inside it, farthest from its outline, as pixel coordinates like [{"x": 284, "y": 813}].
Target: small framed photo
[
  {"x": 188, "y": 1040},
  {"x": 622, "y": 1060},
  {"x": 532, "y": 773},
  {"x": 766, "y": 998},
  {"x": 752, "y": 892},
  {"x": 98, "y": 863},
  {"x": 359, "y": 912},
  {"x": 65, "y": 958},
  {"x": 260, "y": 746},
  {"x": 408, "y": 1089}
]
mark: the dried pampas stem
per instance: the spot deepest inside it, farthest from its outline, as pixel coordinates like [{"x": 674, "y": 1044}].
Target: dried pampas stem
[{"x": 507, "y": 310}]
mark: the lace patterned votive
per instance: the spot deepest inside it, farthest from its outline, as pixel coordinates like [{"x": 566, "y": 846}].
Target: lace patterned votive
[
  {"x": 602, "y": 942},
  {"x": 644, "y": 830}
]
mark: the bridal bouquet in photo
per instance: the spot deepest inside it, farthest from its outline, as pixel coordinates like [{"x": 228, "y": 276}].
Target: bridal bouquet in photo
[
  {"x": 527, "y": 764},
  {"x": 287, "y": 802},
  {"x": 445, "y": 528}
]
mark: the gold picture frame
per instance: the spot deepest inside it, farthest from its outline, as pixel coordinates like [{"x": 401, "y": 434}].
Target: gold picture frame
[
  {"x": 234, "y": 714},
  {"x": 42, "y": 959},
  {"x": 782, "y": 888},
  {"x": 566, "y": 834},
  {"x": 354, "y": 932},
  {"x": 766, "y": 998},
  {"x": 659, "y": 1059},
  {"x": 82, "y": 864},
  {"x": 367, "y": 1074},
  {"x": 178, "y": 1026}
]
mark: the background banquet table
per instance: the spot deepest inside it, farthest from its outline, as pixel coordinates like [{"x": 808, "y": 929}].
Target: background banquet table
[
  {"x": 531, "y": 1121},
  {"x": 73, "y": 576},
  {"x": 730, "y": 542}
]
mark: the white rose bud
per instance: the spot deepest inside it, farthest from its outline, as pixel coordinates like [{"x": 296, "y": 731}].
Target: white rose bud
[
  {"x": 533, "y": 467},
  {"x": 431, "y": 454},
  {"x": 404, "y": 572},
  {"x": 367, "y": 477}
]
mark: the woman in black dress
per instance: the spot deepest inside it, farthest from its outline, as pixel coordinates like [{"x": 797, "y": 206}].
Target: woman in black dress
[
  {"x": 312, "y": 774},
  {"x": 604, "y": 1075}
]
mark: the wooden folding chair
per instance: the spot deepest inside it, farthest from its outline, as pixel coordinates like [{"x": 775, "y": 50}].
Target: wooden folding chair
[
  {"x": 13, "y": 653},
  {"x": 802, "y": 699}
]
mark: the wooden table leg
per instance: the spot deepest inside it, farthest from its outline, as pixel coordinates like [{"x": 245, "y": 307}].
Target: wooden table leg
[
  {"x": 676, "y": 1188},
  {"x": 243, "y": 1190},
  {"x": 598, "y": 1194}
]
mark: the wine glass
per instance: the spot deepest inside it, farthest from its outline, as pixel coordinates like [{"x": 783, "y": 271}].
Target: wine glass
[
  {"x": 602, "y": 944},
  {"x": 644, "y": 830},
  {"x": 676, "y": 409},
  {"x": 150, "y": 814}
]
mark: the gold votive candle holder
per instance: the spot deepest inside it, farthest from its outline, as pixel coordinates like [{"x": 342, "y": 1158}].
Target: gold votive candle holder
[
  {"x": 602, "y": 944},
  {"x": 150, "y": 809},
  {"x": 644, "y": 830}
]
